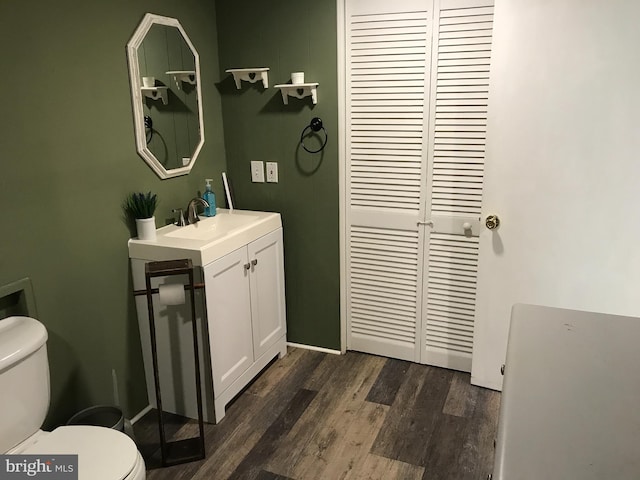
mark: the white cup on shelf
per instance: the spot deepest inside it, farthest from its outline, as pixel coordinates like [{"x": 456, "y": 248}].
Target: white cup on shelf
[
  {"x": 148, "y": 81},
  {"x": 297, "y": 78}
]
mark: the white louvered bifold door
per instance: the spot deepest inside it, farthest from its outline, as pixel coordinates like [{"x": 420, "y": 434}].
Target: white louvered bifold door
[
  {"x": 458, "y": 119},
  {"x": 416, "y": 101},
  {"x": 387, "y": 54}
]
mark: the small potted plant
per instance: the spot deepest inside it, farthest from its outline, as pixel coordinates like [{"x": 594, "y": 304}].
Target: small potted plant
[{"x": 141, "y": 207}]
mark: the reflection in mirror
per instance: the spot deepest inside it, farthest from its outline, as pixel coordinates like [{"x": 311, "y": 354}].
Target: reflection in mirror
[{"x": 165, "y": 89}]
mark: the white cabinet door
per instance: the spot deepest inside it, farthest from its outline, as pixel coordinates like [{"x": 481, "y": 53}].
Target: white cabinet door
[
  {"x": 229, "y": 317},
  {"x": 267, "y": 291}
]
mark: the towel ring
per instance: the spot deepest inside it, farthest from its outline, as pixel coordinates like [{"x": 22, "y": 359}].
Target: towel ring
[{"x": 315, "y": 125}]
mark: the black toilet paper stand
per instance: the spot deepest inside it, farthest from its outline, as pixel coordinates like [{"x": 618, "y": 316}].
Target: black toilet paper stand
[{"x": 189, "y": 449}]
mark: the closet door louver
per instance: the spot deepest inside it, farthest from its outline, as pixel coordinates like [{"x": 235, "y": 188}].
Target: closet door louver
[
  {"x": 417, "y": 85},
  {"x": 460, "y": 87},
  {"x": 384, "y": 292},
  {"x": 388, "y": 48},
  {"x": 387, "y": 93}
]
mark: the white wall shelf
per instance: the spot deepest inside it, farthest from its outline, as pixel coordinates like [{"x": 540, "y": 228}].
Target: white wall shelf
[
  {"x": 179, "y": 76},
  {"x": 156, "y": 93},
  {"x": 298, "y": 90},
  {"x": 251, "y": 75}
]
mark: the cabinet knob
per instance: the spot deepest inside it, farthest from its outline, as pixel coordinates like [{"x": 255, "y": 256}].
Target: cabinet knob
[
  {"x": 247, "y": 266},
  {"x": 254, "y": 262}
]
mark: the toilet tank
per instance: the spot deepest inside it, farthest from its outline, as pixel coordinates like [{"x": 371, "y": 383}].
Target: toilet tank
[{"x": 24, "y": 379}]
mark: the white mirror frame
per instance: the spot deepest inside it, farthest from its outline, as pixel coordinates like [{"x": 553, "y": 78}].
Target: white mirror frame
[{"x": 137, "y": 96}]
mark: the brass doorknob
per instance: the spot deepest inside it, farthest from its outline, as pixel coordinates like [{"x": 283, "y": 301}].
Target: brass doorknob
[{"x": 492, "y": 222}]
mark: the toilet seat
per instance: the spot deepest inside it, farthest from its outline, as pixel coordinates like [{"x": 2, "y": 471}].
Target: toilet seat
[{"x": 103, "y": 453}]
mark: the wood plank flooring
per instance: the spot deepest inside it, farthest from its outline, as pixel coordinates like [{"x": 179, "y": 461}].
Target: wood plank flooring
[{"x": 313, "y": 416}]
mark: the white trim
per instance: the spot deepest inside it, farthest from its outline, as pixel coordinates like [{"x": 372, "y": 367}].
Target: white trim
[
  {"x": 342, "y": 157},
  {"x": 314, "y": 348},
  {"x": 141, "y": 414}
]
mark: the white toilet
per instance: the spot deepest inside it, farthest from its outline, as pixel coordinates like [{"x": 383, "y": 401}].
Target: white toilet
[{"x": 103, "y": 453}]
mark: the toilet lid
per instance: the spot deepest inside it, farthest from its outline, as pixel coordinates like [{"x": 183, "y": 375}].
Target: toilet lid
[{"x": 103, "y": 453}]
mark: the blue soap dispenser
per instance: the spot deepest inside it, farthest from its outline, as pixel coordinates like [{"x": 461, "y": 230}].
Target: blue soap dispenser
[{"x": 210, "y": 198}]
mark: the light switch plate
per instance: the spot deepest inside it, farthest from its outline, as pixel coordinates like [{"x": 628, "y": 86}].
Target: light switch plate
[
  {"x": 257, "y": 171},
  {"x": 272, "y": 172}
]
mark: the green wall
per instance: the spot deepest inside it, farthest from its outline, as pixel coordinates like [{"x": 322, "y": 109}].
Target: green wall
[
  {"x": 68, "y": 159},
  {"x": 288, "y": 36}
]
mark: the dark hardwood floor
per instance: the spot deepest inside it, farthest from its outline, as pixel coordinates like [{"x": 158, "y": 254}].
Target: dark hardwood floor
[{"x": 312, "y": 416}]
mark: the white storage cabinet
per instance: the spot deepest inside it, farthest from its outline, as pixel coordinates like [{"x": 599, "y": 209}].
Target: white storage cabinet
[{"x": 244, "y": 325}]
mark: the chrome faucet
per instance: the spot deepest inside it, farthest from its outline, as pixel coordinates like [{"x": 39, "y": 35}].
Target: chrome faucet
[
  {"x": 180, "y": 221},
  {"x": 192, "y": 209}
]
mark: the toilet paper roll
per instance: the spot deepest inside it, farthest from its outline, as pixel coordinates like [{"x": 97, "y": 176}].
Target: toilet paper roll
[{"x": 171, "y": 294}]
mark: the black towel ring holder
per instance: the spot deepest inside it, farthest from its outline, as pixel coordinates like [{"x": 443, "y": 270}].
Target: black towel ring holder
[{"x": 315, "y": 125}]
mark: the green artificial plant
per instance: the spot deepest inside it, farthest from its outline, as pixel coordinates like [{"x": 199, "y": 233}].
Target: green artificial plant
[{"x": 141, "y": 205}]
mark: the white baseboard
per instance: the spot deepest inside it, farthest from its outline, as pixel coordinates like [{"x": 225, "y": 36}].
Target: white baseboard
[
  {"x": 312, "y": 347},
  {"x": 141, "y": 414}
]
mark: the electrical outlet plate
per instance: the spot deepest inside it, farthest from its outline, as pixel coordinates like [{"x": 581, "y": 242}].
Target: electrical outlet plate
[
  {"x": 272, "y": 172},
  {"x": 257, "y": 171}
]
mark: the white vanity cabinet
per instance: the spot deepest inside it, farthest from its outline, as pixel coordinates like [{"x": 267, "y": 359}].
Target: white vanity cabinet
[
  {"x": 239, "y": 257},
  {"x": 246, "y": 314}
]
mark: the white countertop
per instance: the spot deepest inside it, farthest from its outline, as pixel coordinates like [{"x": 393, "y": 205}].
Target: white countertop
[{"x": 208, "y": 239}]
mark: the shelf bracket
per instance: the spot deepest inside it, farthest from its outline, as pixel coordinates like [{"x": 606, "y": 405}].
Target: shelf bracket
[
  {"x": 251, "y": 75},
  {"x": 186, "y": 76},
  {"x": 299, "y": 90},
  {"x": 156, "y": 93}
]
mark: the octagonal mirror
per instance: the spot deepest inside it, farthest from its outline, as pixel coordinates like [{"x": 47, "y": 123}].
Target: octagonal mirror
[{"x": 164, "y": 71}]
